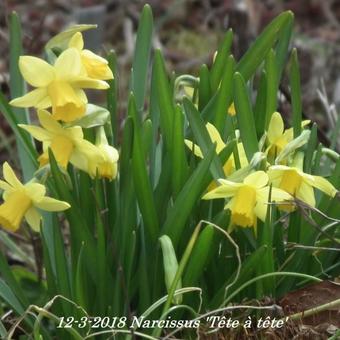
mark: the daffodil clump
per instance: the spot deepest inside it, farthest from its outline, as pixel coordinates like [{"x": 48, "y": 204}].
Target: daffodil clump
[
  {"x": 60, "y": 87},
  {"x": 248, "y": 198},
  {"x": 214, "y": 198}
]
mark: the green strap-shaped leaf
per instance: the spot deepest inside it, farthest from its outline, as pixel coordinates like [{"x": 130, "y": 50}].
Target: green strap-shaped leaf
[
  {"x": 258, "y": 51},
  {"x": 141, "y": 58},
  {"x": 295, "y": 88},
  {"x": 202, "y": 136},
  {"x": 260, "y": 105},
  {"x": 79, "y": 227},
  {"x": 22, "y": 135},
  {"x": 247, "y": 272},
  {"x": 142, "y": 183},
  {"x": 199, "y": 257},
  {"x": 224, "y": 95},
  {"x": 283, "y": 45},
  {"x": 187, "y": 198},
  {"x": 179, "y": 163},
  {"x": 204, "y": 91},
  {"x": 111, "y": 95},
  {"x": 272, "y": 86},
  {"x": 165, "y": 102},
  {"x": 221, "y": 58},
  {"x": 245, "y": 116},
  {"x": 17, "y": 89}
]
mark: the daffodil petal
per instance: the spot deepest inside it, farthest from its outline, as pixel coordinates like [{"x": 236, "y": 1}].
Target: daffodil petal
[
  {"x": 68, "y": 64},
  {"x": 51, "y": 204},
  {"x": 260, "y": 210},
  {"x": 33, "y": 218},
  {"x": 306, "y": 194},
  {"x": 77, "y": 41},
  {"x": 226, "y": 189},
  {"x": 215, "y": 137},
  {"x": 36, "y": 132},
  {"x": 46, "y": 120},
  {"x": 277, "y": 195},
  {"x": 194, "y": 148},
  {"x": 10, "y": 176},
  {"x": 81, "y": 94},
  {"x": 35, "y": 191},
  {"x": 275, "y": 128},
  {"x": 321, "y": 184},
  {"x": 5, "y": 186},
  {"x": 88, "y": 83},
  {"x": 37, "y": 98},
  {"x": 75, "y": 132},
  {"x": 257, "y": 179},
  {"x": 36, "y": 71}
]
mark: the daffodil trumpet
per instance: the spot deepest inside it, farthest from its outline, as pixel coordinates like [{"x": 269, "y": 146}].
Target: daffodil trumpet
[
  {"x": 248, "y": 200},
  {"x": 23, "y": 201}
]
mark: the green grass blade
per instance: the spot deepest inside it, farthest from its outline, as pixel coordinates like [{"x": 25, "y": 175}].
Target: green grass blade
[
  {"x": 141, "y": 58},
  {"x": 245, "y": 116}
]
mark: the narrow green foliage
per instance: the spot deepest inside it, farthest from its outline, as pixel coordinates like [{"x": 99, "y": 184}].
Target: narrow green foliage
[
  {"x": 296, "y": 93},
  {"x": 141, "y": 58},
  {"x": 165, "y": 101},
  {"x": 224, "y": 94},
  {"x": 272, "y": 86},
  {"x": 221, "y": 57},
  {"x": 141, "y": 179},
  {"x": 245, "y": 116},
  {"x": 204, "y": 90},
  {"x": 201, "y": 135},
  {"x": 258, "y": 51}
]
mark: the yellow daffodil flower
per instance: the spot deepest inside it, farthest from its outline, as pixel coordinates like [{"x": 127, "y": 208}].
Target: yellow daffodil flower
[
  {"x": 59, "y": 86},
  {"x": 96, "y": 67},
  {"x": 299, "y": 184},
  {"x": 23, "y": 200},
  {"x": 249, "y": 199},
  {"x": 107, "y": 166},
  {"x": 67, "y": 143},
  {"x": 277, "y": 136},
  {"x": 215, "y": 137}
]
